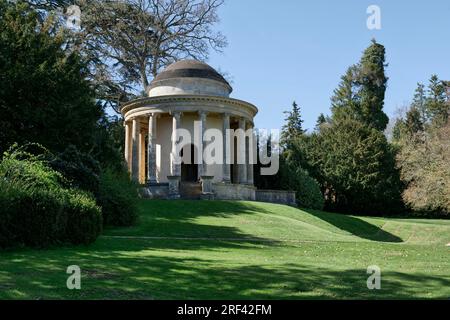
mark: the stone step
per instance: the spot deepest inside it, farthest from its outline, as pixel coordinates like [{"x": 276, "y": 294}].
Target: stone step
[{"x": 190, "y": 190}]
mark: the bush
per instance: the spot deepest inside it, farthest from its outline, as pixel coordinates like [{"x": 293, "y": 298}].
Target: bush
[
  {"x": 80, "y": 169},
  {"x": 84, "y": 218},
  {"x": 35, "y": 209},
  {"x": 307, "y": 189},
  {"x": 118, "y": 198}
]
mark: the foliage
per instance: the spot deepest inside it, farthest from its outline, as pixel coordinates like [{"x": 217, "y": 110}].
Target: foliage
[
  {"x": 80, "y": 169},
  {"x": 84, "y": 218},
  {"x": 437, "y": 105},
  {"x": 361, "y": 92},
  {"x": 145, "y": 37},
  {"x": 424, "y": 160},
  {"x": 307, "y": 189},
  {"x": 118, "y": 198},
  {"x": 355, "y": 167},
  {"x": 43, "y": 90},
  {"x": 293, "y": 127},
  {"x": 36, "y": 209}
]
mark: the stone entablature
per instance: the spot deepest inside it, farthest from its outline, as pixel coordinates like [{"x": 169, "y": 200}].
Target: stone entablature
[{"x": 189, "y": 103}]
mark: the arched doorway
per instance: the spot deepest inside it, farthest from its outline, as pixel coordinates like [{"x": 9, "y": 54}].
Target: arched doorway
[{"x": 189, "y": 169}]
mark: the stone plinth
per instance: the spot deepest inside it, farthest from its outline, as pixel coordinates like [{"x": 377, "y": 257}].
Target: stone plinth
[
  {"x": 228, "y": 191},
  {"x": 276, "y": 196},
  {"x": 174, "y": 187}
]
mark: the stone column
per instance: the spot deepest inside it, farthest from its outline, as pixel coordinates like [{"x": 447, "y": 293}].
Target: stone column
[
  {"x": 135, "y": 151},
  {"x": 242, "y": 154},
  {"x": 226, "y": 149},
  {"x": 127, "y": 144},
  {"x": 151, "y": 149},
  {"x": 250, "y": 157},
  {"x": 141, "y": 157},
  {"x": 175, "y": 165},
  {"x": 202, "y": 169}
]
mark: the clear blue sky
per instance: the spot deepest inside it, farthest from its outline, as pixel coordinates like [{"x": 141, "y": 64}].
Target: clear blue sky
[{"x": 286, "y": 50}]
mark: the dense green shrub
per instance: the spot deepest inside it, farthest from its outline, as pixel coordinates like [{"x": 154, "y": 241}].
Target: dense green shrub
[
  {"x": 84, "y": 218},
  {"x": 36, "y": 210},
  {"x": 118, "y": 198},
  {"x": 307, "y": 189},
  {"x": 80, "y": 169}
]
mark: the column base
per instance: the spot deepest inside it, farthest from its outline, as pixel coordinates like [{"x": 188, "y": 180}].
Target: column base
[{"x": 174, "y": 187}]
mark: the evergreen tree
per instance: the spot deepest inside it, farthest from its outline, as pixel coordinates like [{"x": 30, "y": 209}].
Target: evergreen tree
[
  {"x": 293, "y": 127},
  {"x": 44, "y": 96},
  {"x": 357, "y": 169},
  {"x": 413, "y": 121},
  {"x": 345, "y": 99},
  {"x": 373, "y": 82},
  {"x": 420, "y": 103},
  {"x": 321, "y": 120},
  {"x": 437, "y": 104},
  {"x": 399, "y": 130},
  {"x": 361, "y": 92}
]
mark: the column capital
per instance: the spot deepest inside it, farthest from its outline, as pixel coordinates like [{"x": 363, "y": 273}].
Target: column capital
[
  {"x": 153, "y": 114},
  {"x": 242, "y": 122},
  {"x": 176, "y": 114}
]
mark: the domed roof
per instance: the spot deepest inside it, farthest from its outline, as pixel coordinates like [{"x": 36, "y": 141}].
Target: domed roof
[{"x": 189, "y": 69}]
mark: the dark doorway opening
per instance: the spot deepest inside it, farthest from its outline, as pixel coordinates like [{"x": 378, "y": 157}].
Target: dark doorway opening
[{"x": 189, "y": 170}]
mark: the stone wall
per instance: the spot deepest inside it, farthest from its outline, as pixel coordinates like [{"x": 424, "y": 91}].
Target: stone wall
[
  {"x": 276, "y": 196},
  {"x": 228, "y": 191},
  {"x": 157, "y": 191}
]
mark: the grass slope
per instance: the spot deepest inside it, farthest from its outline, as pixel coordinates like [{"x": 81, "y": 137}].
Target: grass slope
[{"x": 230, "y": 250}]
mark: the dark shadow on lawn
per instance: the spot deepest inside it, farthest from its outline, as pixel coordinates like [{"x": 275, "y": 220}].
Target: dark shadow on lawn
[
  {"x": 114, "y": 275},
  {"x": 355, "y": 226},
  {"x": 176, "y": 219}
]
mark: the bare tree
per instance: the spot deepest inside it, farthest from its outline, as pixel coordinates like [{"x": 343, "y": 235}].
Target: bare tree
[{"x": 130, "y": 41}]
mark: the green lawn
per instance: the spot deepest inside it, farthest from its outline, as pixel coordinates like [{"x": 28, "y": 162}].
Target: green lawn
[{"x": 234, "y": 250}]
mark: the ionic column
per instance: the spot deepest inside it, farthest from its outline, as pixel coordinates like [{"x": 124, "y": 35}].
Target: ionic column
[
  {"x": 151, "y": 149},
  {"x": 201, "y": 165},
  {"x": 141, "y": 156},
  {"x": 135, "y": 151},
  {"x": 242, "y": 154},
  {"x": 250, "y": 157},
  {"x": 127, "y": 144},
  {"x": 226, "y": 149},
  {"x": 175, "y": 163}
]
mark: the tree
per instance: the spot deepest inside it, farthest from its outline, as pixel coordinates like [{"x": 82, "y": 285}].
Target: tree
[
  {"x": 345, "y": 100},
  {"x": 437, "y": 105},
  {"x": 127, "y": 41},
  {"x": 413, "y": 121},
  {"x": 420, "y": 103},
  {"x": 362, "y": 90},
  {"x": 321, "y": 120},
  {"x": 424, "y": 163},
  {"x": 44, "y": 96},
  {"x": 293, "y": 127},
  {"x": 356, "y": 168}
]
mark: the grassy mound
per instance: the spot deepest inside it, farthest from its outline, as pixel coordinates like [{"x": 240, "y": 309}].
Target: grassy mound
[{"x": 241, "y": 250}]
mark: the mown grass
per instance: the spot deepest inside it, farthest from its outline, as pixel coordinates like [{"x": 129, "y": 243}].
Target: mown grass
[{"x": 240, "y": 250}]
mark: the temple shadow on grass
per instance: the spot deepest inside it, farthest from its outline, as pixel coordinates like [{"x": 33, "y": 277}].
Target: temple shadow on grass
[
  {"x": 355, "y": 226},
  {"x": 116, "y": 276},
  {"x": 176, "y": 219}
]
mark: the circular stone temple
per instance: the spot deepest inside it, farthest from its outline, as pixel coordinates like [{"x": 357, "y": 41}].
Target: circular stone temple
[{"x": 193, "y": 96}]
